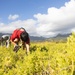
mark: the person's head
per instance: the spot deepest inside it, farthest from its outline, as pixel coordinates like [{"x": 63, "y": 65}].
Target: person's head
[
  {"x": 24, "y": 36},
  {"x": 22, "y": 28}
]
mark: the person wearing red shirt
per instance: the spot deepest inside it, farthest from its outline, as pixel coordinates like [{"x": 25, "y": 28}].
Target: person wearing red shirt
[{"x": 18, "y": 35}]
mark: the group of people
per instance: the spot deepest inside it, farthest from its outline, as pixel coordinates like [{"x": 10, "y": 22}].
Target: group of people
[{"x": 19, "y": 38}]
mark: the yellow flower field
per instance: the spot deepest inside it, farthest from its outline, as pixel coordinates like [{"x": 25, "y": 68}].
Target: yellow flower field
[{"x": 45, "y": 58}]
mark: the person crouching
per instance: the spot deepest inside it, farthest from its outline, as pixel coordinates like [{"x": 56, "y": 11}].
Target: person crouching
[{"x": 20, "y": 35}]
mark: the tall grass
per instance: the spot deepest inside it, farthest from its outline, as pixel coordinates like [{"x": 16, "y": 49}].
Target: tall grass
[{"x": 46, "y": 58}]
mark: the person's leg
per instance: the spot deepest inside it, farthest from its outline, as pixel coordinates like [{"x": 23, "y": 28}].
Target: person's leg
[
  {"x": 7, "y": 43},
  {"x": 23, "y": 44},
  {"x": 2, "y": 42}
]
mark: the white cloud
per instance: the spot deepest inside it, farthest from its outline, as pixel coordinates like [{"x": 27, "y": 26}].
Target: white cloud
[
  {"x": 13, "y": 17},
  {"x": 60, "y": 20},
  {"x": 56, "y": 21},
  {"x": 29, "y": 25}
]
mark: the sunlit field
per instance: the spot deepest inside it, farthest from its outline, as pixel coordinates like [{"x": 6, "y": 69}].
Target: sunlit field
[{"x": 45, "y": 58}]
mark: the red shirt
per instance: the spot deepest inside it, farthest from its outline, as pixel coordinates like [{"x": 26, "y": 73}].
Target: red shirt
[{"x": 16, "y": 34}]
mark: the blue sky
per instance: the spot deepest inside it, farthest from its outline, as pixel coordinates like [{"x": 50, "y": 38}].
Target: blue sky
[
  {"x": 26, "y": 8},
  {"x": 39, "y": 17}
]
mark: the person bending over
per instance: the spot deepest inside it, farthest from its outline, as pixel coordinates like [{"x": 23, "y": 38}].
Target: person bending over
[
  {"x": 5, "y": 40},
  {"x": 20, "y": 35}
]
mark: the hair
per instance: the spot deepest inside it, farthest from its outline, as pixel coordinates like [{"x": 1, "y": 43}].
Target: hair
[
  {"x": 24, "y": 36},
  {"x": 22, "y": 28}
]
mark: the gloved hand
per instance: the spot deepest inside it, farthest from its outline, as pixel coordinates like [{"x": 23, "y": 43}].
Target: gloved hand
[
  {"x": 16, "y": 48},
  {"x": 20, "y": 45}
]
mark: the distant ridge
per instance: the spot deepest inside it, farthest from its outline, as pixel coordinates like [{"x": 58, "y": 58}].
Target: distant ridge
[
  {"x": 36, "y": 38},
  {"x": 60, "y": 37},
  {"x": 63, "y": 35},
  {"x": 4, "y": 34},
  {"x": 32, "y": 38}
]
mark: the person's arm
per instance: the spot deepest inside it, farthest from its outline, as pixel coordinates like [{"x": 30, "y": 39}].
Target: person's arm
[
  {"x": 27, "y": 47},
  {"x": 13, "y": 42}
]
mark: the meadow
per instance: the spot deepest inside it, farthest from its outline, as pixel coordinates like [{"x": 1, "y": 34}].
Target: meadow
[{"x": 45, "y": 58}]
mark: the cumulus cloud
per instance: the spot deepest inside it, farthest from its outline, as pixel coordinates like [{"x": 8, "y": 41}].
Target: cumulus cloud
[
  {"x": 29, "y": 25},
  {"x": 57, "y": 20},
  {"x": 13, "y": 17}
]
